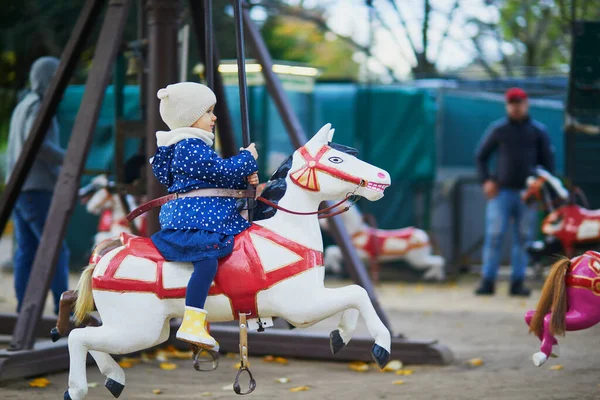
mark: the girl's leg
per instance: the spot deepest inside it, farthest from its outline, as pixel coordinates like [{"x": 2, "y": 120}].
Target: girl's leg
[
  {"x": 193, "y": 327},
  {"x": 199, "y": 284}
]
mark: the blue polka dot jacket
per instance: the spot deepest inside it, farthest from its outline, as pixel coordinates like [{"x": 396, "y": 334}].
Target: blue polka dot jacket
[{"x": 185, "y": 161}]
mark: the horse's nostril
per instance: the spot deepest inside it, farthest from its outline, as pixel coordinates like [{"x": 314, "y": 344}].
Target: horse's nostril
[{"x": 381, "y": 175}]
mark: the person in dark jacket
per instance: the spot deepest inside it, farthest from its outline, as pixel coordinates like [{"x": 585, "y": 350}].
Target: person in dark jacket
[
  {"x": 520, "y": 144},
  {"x": 199, "y": 230},
  {"x": 32, "y": 206}
]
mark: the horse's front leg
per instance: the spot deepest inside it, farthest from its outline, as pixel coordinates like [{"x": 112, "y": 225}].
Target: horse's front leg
[
  {"x": 548, "y": 340},
  {"x": 339, "y": 338},
  {"x": 322, "y": 303}
]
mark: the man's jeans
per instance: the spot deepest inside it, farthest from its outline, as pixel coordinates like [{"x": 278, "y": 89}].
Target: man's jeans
[
  {"x": 503, "y": 209},
  {"x": 29, "y": 216}
]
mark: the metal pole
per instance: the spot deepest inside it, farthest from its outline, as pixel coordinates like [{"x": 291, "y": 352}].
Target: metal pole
[
  {"x": 63, "y": 200},
  {"x": 70, "y": 57},
  {"x": 162, "y": 70},
  {"x": 208, "y": 44},
  {"x": 226, "y": 136},
  {"x": 298, "y": 139},
  {"x": 241, "y": 63}
]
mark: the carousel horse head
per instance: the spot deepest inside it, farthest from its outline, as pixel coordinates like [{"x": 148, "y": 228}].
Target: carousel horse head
[
  {"x": 334, "y": 171},
  {"x": 97, "y": 195},
  {"x": 547, "y": 189}
]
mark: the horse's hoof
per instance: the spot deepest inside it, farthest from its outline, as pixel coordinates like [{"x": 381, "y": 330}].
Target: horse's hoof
[
  {"x": 114, "y": 387},
  {"x": 380, "y": 355},
  {"x": 539, "y": 358},
  {"x": 67, "y": 397},
  {"x": 555, "y": 351},
  {"x": 54, "y": 334},
  {"x": 336, "y": 342}
]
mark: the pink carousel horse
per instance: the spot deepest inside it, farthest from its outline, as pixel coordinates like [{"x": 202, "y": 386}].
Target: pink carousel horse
[
  {"x": 276, "y": 270},
  {"x": 570, "y": 301}
]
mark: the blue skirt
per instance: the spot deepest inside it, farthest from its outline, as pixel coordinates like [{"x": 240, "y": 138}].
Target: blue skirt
[{"x": 191, "y": 245}]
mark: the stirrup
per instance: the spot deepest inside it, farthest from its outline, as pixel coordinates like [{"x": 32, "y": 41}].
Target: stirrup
[{"x": 244, "y": 359}]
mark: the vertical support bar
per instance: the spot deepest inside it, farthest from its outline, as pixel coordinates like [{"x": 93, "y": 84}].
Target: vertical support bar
[
  {"x": 241, "y": 63},
  {"x": 118, "y": 88},
  {"x": 208, "y": 44},
  {"x": 162, "y": 70},
  {"x": 141, "y": 74},
  {"x": 63, "y": 200},
  {"x": 298, "y": 139},
  {"x": 228, "y": 143},
  {"x": 70, "y": 57}
]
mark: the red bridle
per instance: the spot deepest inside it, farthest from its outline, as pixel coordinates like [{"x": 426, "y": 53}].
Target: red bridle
[{"x": 306, "y": 176}]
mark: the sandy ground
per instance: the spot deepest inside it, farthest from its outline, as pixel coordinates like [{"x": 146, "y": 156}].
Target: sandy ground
[{"x": 488, "y": 328}]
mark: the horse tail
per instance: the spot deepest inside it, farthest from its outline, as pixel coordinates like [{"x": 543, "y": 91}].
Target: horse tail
[
  {"x": 85, "y": 300},
  {"x": 553, "y": 298}
]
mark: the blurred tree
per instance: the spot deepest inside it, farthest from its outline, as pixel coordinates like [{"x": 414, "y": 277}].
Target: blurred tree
[
  {"x": 293, "y": 39},
  {"x": 533, "y": 34}
]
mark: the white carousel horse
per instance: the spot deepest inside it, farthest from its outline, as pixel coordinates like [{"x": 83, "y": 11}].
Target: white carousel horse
[
  {"x": 408, "y": 244},
  {"x": 276, "y": 270},
  {"x": 104, "y": 201}
]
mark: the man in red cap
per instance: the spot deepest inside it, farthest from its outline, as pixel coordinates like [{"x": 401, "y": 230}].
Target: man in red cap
[{"x": 521, "y": 144}]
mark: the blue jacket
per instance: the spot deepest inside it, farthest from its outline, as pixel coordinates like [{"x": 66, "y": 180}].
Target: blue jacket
[{"x": 192, "y": 164}]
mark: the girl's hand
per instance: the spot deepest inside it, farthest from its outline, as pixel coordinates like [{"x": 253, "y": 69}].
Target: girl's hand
[
  {"x": 252, "y": 150},
  {"x": 253, "y": 179}
]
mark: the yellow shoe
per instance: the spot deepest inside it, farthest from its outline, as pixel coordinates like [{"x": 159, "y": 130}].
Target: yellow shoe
[{"x": 193, "y": 328}]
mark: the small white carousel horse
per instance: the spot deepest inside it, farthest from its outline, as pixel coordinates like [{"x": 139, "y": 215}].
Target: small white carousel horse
[
  {"x": 100, "y": 198},
  {"x": 276, "y": 270},
  {"x": 408, "y": 244}
]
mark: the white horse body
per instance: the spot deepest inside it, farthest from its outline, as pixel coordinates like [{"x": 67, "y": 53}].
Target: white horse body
[
  {"x": 408, "y": 244},
  {"x": 132, "y": 321}
]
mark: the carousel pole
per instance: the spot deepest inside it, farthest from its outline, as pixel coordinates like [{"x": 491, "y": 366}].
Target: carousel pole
[
  {"x": 241, "y": 63},
  {"x": 208, "y": 45}
]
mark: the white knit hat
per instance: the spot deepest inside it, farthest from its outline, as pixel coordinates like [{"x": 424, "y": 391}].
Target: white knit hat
[{"x": 182, "y": 104}]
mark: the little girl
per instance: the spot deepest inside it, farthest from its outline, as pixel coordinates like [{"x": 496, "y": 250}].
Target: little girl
[{"x": 199, "y": 230}]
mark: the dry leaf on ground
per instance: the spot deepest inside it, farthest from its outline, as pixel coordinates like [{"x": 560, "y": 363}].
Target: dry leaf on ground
[
  {"x": 299, "y": 389},
  {"x": 398, "y": 382},
  {"x": 476, "y": 362},
  {"x": 358, "y": 366},
  {"x": 404, "y": 372},
  {"x": 167, "y": 366},
  {"x": 556, "y": 367},
  {"x": 393, "y": 365},
  {"x": 39, "y": 382},
  {"x": 282, "y": 380},
  {"x": 157, "y": 391}
]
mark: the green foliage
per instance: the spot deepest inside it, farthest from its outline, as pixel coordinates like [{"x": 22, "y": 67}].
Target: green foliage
[
  {"x": 292, "y": 39},
  {"x": 541, "y": 29}
]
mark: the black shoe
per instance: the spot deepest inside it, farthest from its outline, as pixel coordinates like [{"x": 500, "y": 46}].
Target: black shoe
[
  {"x": 518, "y": 289},
  {"x": 486, "y": 288}
]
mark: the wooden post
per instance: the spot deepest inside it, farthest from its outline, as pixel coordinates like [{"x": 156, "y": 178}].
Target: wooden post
[
  {"x": 70, "y": 57},
  {"x": 162, "y": 70},
  {"x": 63, "y": 201},
  {"x": 298, "y": 138}
]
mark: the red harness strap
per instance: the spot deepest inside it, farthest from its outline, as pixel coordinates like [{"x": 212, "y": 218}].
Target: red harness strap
[{"x": 583, "y": 282}]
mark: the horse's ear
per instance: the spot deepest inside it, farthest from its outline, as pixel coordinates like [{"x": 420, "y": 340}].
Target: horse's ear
[
  {"x": 330, "y": 136},
  {"x": 321, "y": 136}
]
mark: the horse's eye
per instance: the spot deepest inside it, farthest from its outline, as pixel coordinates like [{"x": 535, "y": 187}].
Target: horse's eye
[{"x": 336, "y": 160}]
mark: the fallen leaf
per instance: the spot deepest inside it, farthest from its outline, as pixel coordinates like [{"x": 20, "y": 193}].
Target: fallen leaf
[
  {"x": 187, "y": 355},
  {"x": 398, "y": 382},
  {"x": 281, "y": 360},
  {"x": 404, "y": 372},
  {"x": 133, "y": 361},
  {"x": 162, "y": 356},
  {"x": 39, "y": 382},
  {"x": 268, "y": 359},
  {"x": 419, "y": 288},
  {"x": 358, "y": 366},
  {"x": 92, "y": 384},
  {"x": 393, "y": 365},
  {"x": 476, "y": 362},
  {"x": 299, "y": 389},
  {"x": 170, "y": 349},
  {"x": 228, "y": 387},
  {"x": 157, "y": 391},
  {"x": 282, "y": 380},
  {"x": 168, "y": 366},
  {"x": 232, "y": 355},
  {"x": 125, "y": 364},
  {"x": 556, "y": 367},
  {"x": 206, "y": 394},
  {"x": 237, "y": 365}
]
